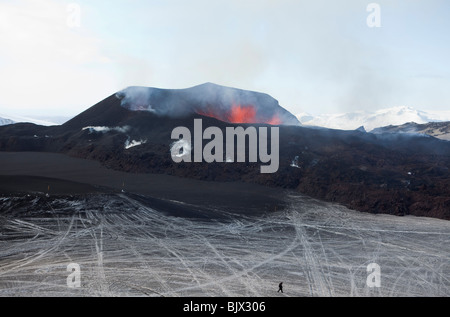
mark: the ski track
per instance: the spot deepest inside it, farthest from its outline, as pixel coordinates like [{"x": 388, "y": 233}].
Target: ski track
[{"x": 125, "y": 248}]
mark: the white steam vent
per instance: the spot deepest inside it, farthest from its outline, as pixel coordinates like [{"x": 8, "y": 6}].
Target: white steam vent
[
  {"x": 180, "y": 149},
  {"x": 133, "y": 143},
  {"x": 102, "y": 129}
]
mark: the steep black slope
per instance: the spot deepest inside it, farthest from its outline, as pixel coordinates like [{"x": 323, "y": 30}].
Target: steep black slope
[{"x": 107, "y": 112}]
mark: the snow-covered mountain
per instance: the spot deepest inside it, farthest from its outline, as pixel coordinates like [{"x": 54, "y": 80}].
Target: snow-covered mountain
[
  {"x": 46, "y": 121},
  {"x": 373, "y": 120},
  {"x": 440, "y": 130},
  {"x": 4, "y": 121}
]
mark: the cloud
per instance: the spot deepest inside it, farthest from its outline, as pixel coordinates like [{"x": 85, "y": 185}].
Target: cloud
[
  {"x": 310, "y": 55},
  {"x": 44, "y": 62},
  {"x": 36, "y": 31}
]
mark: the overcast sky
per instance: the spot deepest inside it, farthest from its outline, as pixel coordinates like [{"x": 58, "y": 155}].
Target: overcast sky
[{"x": 317, "y": 56}]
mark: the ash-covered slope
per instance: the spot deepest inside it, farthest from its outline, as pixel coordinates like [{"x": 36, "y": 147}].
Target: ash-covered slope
[{"x": 378, "y": 173}]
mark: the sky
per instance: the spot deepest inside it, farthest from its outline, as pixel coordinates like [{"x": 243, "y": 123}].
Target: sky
[{"x": 58, "y": 57}]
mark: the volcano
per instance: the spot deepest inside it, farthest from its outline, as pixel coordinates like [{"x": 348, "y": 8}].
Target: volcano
[
  {"x": 130, "y": 132},
  {"x": 224, "y": 103}
]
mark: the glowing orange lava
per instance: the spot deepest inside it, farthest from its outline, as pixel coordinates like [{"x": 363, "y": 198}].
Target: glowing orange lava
[
  {"x": 274, "y": 121},
  {"x": 242, "y": 114},
  {"x": 239, "y": 114}
]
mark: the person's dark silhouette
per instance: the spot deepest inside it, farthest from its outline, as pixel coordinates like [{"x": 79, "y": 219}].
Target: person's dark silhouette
[{"x": 280, "y": 287}]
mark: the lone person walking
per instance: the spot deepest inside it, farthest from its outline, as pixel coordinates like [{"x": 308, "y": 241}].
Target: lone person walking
[{"x": 280, "y": 287}]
